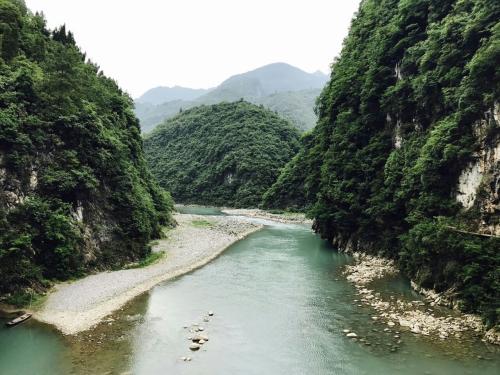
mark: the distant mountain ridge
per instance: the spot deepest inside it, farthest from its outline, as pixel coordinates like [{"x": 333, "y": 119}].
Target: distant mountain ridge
[
  {"x": 283, "y": 88},
  {"x": 266, "y": 80},
  {"x": 161, "y": 94}
]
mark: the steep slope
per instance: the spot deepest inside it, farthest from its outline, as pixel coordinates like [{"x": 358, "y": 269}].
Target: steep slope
[
  {"x": 280, "y": 87},
  {"x": 225, "y": 154},
  {"x": 75, "y": 191},
  {"x": 405, "y": 158},
  {"x": 160, "y": 95},
  {"x": 295, "y": 106}
]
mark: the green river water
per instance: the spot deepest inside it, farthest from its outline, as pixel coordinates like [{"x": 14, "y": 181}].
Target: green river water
[{"x": 280, "y": 305}]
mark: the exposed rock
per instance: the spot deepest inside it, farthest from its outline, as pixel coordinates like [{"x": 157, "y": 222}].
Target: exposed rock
[
  {"x": 194, "y": 347},
  {"x": 351, "y": 335},
  {"x": 200, "y": 337},
  {"x": 412, "y": 314}
]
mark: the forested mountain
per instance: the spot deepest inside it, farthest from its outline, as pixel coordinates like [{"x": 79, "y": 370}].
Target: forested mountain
[
  {"x": 283, "y": 88},
  {"x": 75, "y": 191},
  {"x": 226, "y": 154},
  {"x": 160, "y": 95},
  {"x": 405, "y": 158}
]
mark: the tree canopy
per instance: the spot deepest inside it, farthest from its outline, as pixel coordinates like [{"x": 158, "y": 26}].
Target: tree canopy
[
  {"x": 226, "y": 154},
  {"x": 398, "y": 123},
  {"x": 75, "y": 191}
]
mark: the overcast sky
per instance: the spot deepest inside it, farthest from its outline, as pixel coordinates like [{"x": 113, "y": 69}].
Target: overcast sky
[{"x": 199, "y": 43}]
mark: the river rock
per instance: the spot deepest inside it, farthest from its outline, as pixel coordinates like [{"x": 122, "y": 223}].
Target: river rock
[
  {"x": 346, "y": 331},
  {"x": 201, "y": 342},
  {"x": 200, "y": 337},
  {"x": 210, "y": 313},
  {"x": 351, "y": 335},
  {"x": 194, "y": 347},
  {"x": 391, "y": 324}
]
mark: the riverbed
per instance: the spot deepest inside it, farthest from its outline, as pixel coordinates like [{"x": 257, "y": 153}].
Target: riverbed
[{"x": 280, "y": 303}]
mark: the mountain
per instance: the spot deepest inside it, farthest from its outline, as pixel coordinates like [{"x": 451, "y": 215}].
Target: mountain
[
  {"x": 159, "y": 95},
  {"x": 264, "y": 81},
  {"x": 75, "y": 190},
  {"x": 283, "y": 88},
  {"x": 294, "y": 106},
  {"x": 223, "y": 154},
  {"x": 405, "y": 158}
]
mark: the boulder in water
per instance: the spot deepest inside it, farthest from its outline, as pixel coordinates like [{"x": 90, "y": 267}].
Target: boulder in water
[{"x": 194, "y": 347}]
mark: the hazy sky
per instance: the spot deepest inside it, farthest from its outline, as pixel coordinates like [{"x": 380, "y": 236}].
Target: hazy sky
[{"x": 199, "y": 43}]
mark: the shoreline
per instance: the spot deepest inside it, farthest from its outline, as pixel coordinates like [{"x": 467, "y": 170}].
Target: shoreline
[
  {"x": 74, "y": 307},
  {"x": 418, "y": 317},
  {"x": 284, "y": 218}
]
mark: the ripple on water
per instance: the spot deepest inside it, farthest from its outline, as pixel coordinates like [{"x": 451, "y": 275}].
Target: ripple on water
[{"x": 280, "y": 306}]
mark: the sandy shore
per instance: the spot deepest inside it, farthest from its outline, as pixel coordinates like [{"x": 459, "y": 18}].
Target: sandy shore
[{"x": 78, "y": 306}]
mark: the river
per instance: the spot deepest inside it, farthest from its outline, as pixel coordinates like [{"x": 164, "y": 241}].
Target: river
[{"x": 280, "y": 305}]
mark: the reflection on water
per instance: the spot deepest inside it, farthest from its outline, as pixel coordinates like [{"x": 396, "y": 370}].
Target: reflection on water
[{"x": 280, "y": 306}]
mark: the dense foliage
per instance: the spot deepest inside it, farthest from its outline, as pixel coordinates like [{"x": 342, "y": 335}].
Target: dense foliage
[
  {"x": 287, "y": 90},
  {"x": 75, "y": 191},
  {"x": 416, "y": 81},
  {"x": 226, "y": 154}
]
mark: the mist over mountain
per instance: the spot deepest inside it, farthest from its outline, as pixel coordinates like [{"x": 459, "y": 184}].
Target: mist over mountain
[
  {"x": 283, "y": 88},
  {"x": 161, "y": 94}
]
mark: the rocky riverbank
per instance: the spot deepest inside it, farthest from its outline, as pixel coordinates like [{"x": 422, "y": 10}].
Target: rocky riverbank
[
  {"x": 77, "y": 306},
  {"x": 285, "y": 218},
  {"x": 419, "y": 317}
]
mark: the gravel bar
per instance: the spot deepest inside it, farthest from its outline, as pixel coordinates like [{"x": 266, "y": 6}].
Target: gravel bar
[{"x": 77, "y": 306}]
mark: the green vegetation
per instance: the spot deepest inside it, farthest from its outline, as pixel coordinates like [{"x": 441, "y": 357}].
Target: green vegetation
[
  {"x": 416, "y": 82},
  {"x": 224, "y": 155},
  {"x": 201, "y": 223},
  {"x": 75, "y": 191},
  {"x": 150, "y": 259}
]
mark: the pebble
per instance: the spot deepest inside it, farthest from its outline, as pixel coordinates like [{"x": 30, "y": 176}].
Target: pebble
[
  {"x": 346, "y": 330},
  {"x": 210, "y": 313},
  {"x": 194, "y": 347},
  {"x": 351, "y": 335}
]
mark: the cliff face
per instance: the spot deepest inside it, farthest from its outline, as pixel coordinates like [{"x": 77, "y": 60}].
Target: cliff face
[
  {"x": 478, "y": 185},
  {"x": 75, "y": 191},
  {"x": 404, "y": 158}
]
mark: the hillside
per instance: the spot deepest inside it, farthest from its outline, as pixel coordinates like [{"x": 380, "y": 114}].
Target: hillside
[
  {"x": 75, "y": 190},
  {"x": 160, "y": 95},
  {"x": 405, "y": 158},
  {"x": 280, "y": 87},
  {"x": 226, "y": 154}
]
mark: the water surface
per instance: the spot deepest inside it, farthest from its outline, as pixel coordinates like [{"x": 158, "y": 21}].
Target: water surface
[{"x": 280, "y": 306}]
